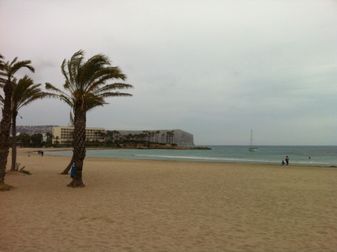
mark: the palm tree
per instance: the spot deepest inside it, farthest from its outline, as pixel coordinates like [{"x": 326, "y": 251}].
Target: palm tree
[
  {"x": 157, "y": 136},
  {"x": 24, "y": 92},
  {"x": 116, "y": 135},
  {"x": 172, "y": 136},
  {"x": 8, "y": 70},
  {"x": 169, "y": 137},
  {"x": 85, "y": 88}
]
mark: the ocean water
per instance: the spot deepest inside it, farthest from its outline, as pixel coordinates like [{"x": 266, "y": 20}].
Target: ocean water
[{"x": 299, "y": 155}]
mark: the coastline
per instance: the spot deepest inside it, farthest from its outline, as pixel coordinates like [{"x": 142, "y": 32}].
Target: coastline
[
  {"x": 49, "y": 151},
  {"x": 145, "y": 205}
]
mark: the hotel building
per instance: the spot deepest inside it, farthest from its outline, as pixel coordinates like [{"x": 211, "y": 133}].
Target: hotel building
[{"x": 64, "y": 135}]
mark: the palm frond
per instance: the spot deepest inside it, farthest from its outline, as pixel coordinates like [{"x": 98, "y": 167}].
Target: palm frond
[
  {"x": 65, "y": 99},
  {"x": 109, "y": 94},
  {"x": 20, "y": 87},
  {"x": 51, "y": 87},
  {"x": 73, "y": 66},
  {"x": 13, "y": 61},
  {"x": 103, "y": 75},
  {"x": 18, "y": 65},
  {"x": 113, "y": 86},
  {"x": 64, "y": 71},
  {"x": 59, "y": 94},
  {"x": 71, "y": 118},
  {"x": 95, "y": 103},
  {"x": 2, "y": 63},
  {"x": 90, "y": 69},
  {"x": 25, "y": 92},
  {"x": 31, "y": 99}
]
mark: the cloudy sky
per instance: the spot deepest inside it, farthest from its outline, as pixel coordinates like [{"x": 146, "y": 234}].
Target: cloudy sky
[{"x": 215, "y": 68}]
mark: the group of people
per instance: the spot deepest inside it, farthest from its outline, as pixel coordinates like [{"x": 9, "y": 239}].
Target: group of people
[{"x": 285, "y": 161}]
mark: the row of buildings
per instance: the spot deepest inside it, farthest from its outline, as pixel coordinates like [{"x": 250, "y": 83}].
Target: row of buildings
[{"x": 64, "y": 135}]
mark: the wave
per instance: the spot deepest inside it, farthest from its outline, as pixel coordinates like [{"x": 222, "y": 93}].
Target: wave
[
  {"x": 206, "y": 158},
  {"x": 225, "y": 159},
  {"x": 271, "y": 156}
]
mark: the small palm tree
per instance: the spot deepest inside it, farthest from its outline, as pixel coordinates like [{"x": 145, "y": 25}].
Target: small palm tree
[
  {"x": 7, "y": 72},
  {"x": 24, "y": 93},
  {"x": 85, "y": 88}
]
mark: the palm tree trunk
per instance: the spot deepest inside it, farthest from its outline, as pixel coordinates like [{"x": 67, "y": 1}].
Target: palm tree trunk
[
  {"x": 14, "y": 115},
  {"x": 4, "y": 133},
  {"x": 79, "y": 146}
]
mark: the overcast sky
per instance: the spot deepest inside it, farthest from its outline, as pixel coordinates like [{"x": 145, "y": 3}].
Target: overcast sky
[{"x": 215, "y": 68}]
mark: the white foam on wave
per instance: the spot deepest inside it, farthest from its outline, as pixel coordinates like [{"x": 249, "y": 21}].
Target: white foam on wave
[
  {"x": 227, "y": 159},
  {"x": 223, "y": 159}
]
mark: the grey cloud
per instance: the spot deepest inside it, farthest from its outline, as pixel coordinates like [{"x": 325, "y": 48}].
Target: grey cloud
[{"x": 215, "y": 68}]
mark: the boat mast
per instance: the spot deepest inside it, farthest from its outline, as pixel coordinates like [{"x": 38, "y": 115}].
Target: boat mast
[{"x": 251, "y": 138}]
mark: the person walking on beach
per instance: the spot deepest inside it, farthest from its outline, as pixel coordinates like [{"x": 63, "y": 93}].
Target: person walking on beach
[
  {"x": 73, "y": 170},
  {"x": 287, "y": 160}
]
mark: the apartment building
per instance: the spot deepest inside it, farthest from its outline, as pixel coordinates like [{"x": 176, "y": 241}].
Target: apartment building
[
  {"x": 175, "y": 136},
  {"x": 64, "y": 135}
]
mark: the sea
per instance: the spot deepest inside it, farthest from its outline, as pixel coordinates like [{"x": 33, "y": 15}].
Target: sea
[{"x": 298, "y": 155}]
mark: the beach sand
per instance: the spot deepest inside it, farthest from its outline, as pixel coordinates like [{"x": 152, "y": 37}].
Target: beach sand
[{"x": 169, "y": 206}]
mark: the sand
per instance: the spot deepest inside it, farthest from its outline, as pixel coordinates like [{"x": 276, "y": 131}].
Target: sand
[{"x": 169, "y": 206}]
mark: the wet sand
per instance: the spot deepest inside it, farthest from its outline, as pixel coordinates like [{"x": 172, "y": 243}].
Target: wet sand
[{"x": 169, "y": 206}]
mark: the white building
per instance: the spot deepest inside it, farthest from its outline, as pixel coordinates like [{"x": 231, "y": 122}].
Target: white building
[
  {"x": 175, "y": 136},
  {"x": 64, "y": 135}
]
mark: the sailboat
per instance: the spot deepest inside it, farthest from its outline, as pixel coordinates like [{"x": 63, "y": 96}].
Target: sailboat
[{"x": 252, "y": 148}]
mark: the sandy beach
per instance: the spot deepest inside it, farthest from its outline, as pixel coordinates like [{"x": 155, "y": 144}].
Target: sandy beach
[{"x": 169, "y": 206}]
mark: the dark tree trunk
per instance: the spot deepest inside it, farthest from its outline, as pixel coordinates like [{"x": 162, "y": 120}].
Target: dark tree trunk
[
  {"x": 67, "y": 169},
  {"x": 14, "y": 115},
  {"x": 79, "y": 145},
  {"x": 4, "y": 133}
]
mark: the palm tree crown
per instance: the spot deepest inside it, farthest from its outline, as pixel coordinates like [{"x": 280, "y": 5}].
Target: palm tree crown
[
  {"x": 24, "y": 92},
  {"x": 85, "y": 82},
  {"x": 10, "y": 68}
]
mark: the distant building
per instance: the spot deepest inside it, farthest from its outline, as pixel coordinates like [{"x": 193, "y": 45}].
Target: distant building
[
  {"x": 31, "y": 130},
  {"x": 64, "y": 135},
  {"x": 177, "y": 136}
]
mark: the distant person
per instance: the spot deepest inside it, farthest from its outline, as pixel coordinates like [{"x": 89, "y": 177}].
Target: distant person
[
  {"x": 283, "y": 163},
  {"x": 287, "y": 160},
  {"x": 73, "y": 170}
]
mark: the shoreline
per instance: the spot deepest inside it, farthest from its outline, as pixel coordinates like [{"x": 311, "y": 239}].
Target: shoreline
[{"x": 177, "y": 159}]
